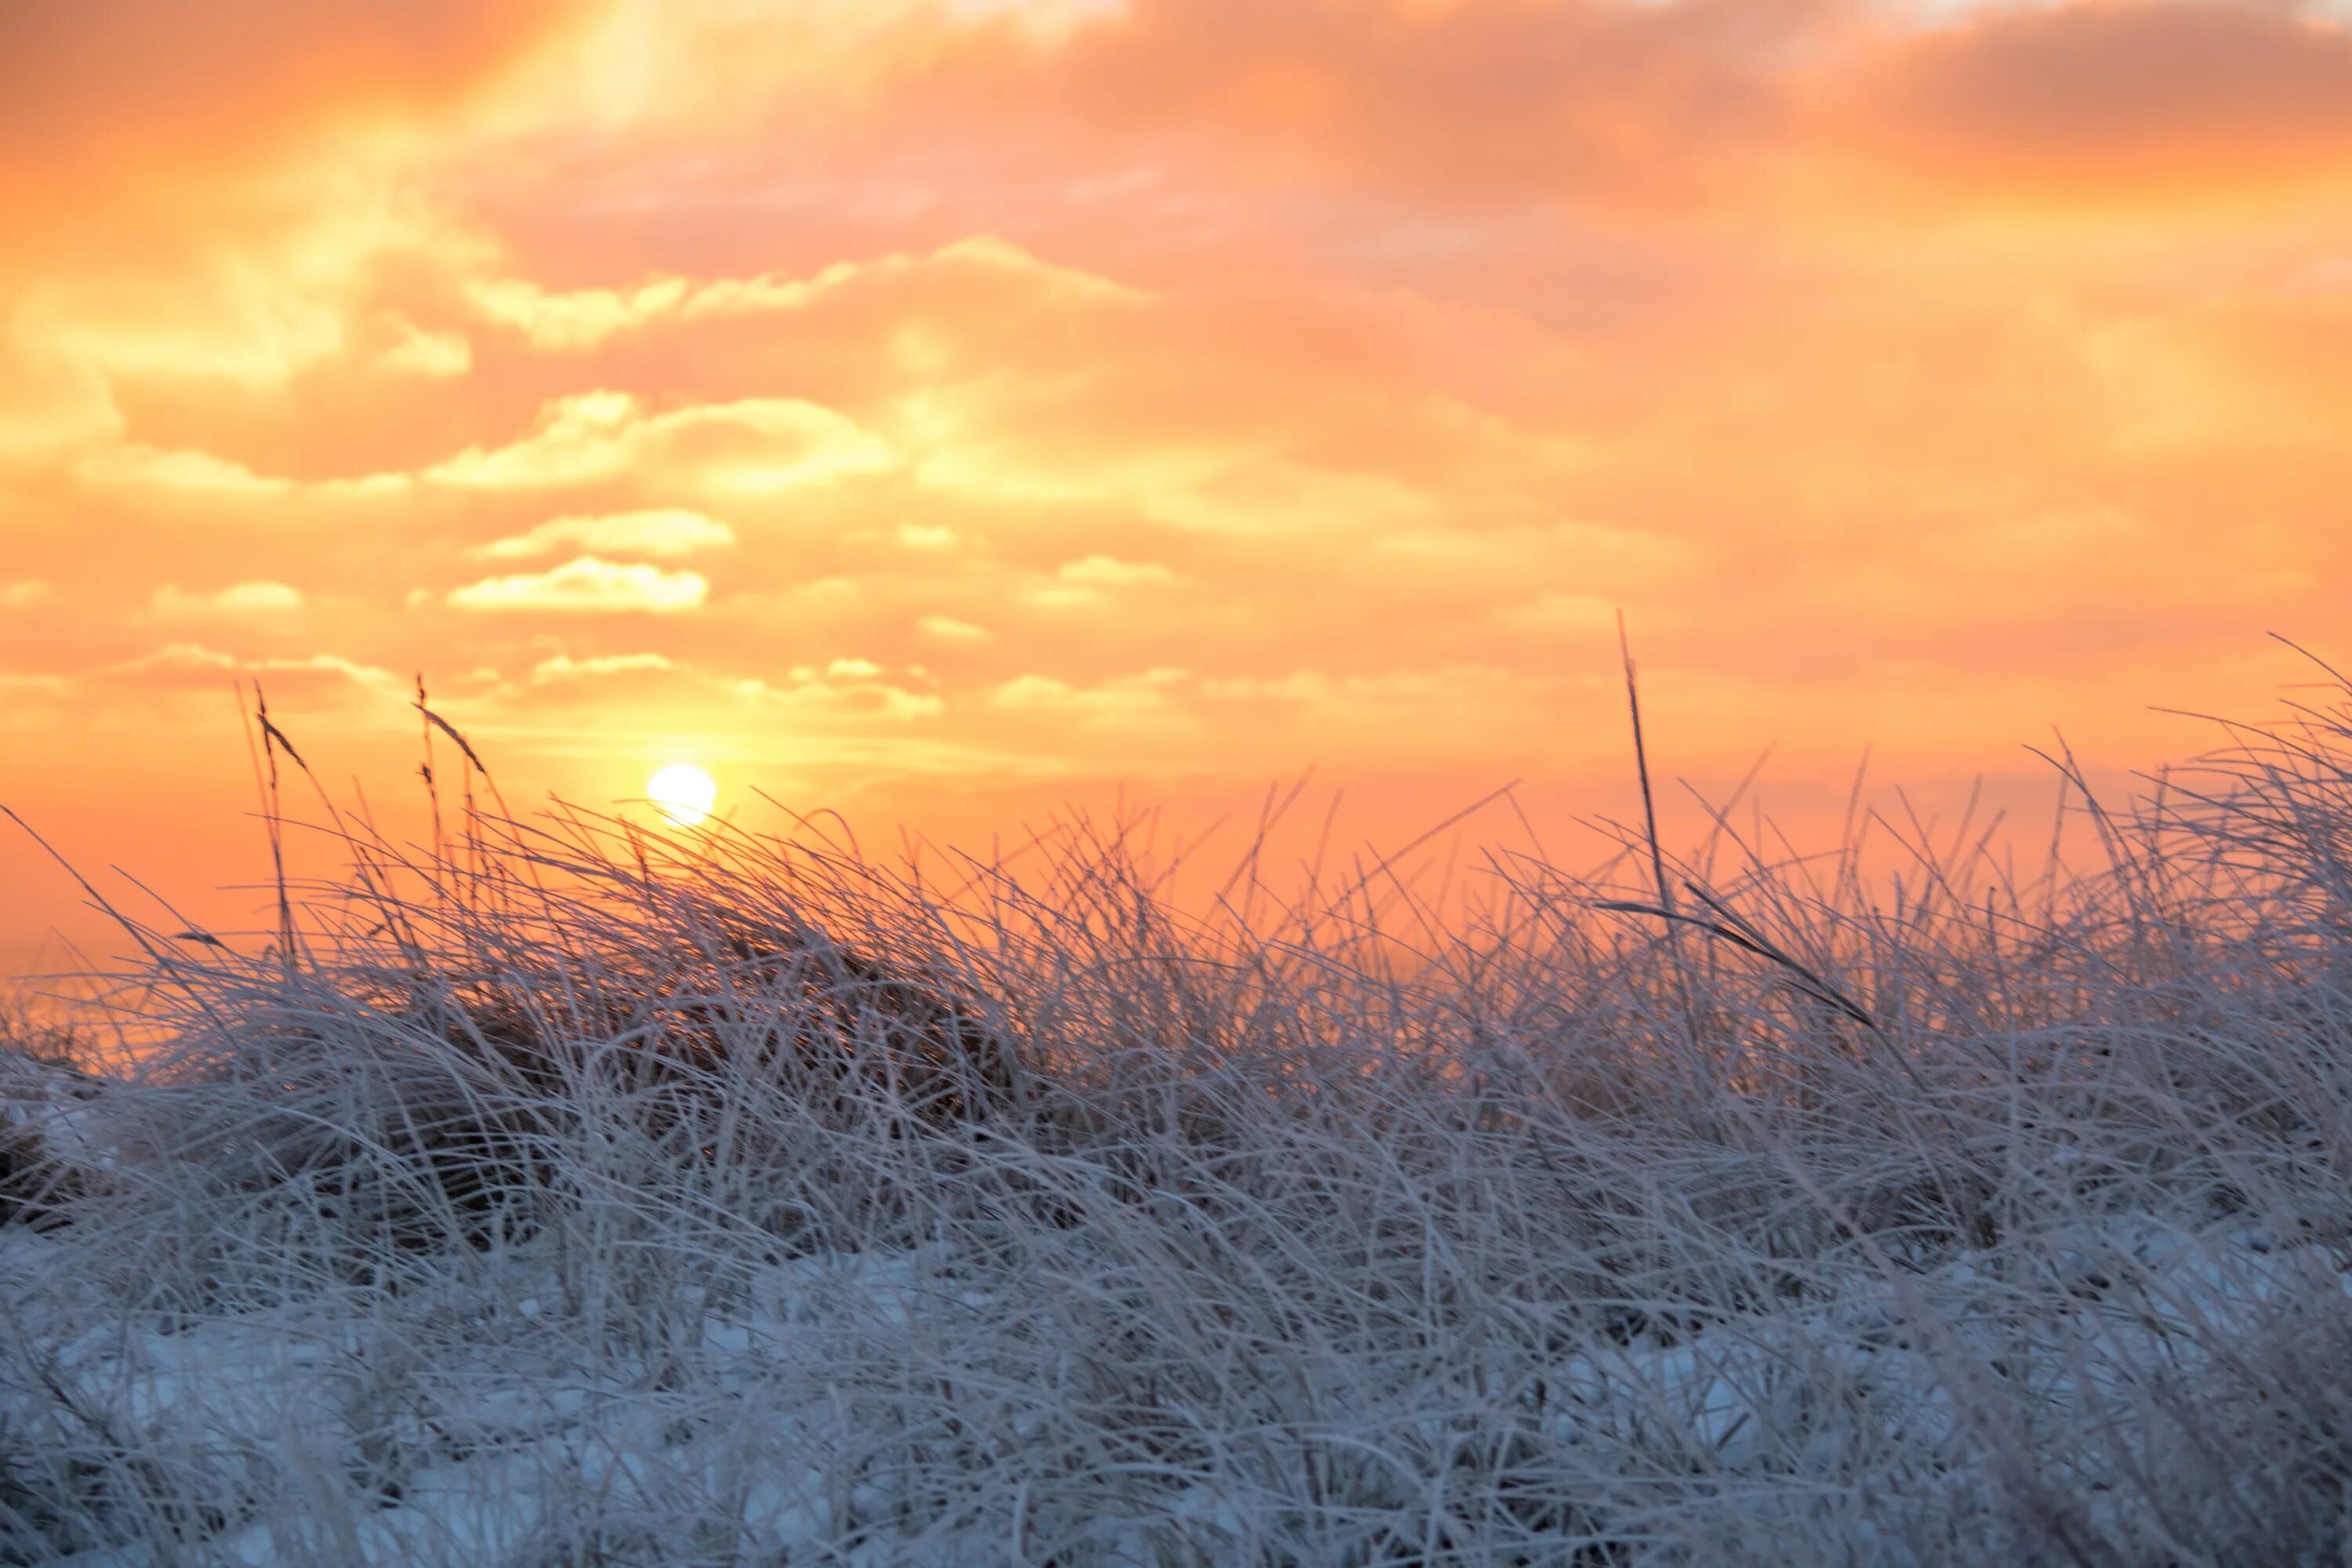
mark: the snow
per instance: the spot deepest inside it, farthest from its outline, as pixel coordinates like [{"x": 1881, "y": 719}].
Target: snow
[{"x": 724, "y": 1433}]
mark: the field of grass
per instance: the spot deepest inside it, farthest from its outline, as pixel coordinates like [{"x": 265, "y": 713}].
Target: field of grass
[{"x": 576, "y": 1194}]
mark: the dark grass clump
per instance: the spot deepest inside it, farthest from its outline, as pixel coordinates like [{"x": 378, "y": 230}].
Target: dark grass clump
[{"x": 41, "y": 1080}]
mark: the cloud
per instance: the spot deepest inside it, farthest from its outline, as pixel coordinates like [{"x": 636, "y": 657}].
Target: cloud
[
  {"x": 579, "y": 319},
  {"x": 2129, "y": 100},
  {"x": 237, "y": 599},
  {"x": 25, "y": 594},
  {"x": 119, "y": 93},
  {"x": 196, "y": 665},
  {"x": 1140, "y": 696},
  {"x": 947, "y": 628},
  {"x": 751, "y": 446},
  {"x": 1107, "y": 572},
  {"x": 435, "y": 355},
  {"x": 1560, "y": 612},
  {"x": 563, "y": 668},
  {"x": 1469, "y": 103},
  {"x": 665, "y": 533},
  {"x": 587, "y": 585},
  {"x": 189, "y": 472},
  {"x": 851, "y": 694}
]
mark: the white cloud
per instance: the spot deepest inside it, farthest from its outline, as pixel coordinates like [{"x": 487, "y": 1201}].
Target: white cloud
[
  {"x": 668, "y": 533},
  {"x": 587, "y": 585}
]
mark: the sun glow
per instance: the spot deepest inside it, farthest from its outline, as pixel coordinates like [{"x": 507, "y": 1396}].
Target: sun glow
[{"x": 683, "y": 793}]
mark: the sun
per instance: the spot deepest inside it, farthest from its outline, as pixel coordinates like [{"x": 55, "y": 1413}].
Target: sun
[{"x": 683, "y": 793}]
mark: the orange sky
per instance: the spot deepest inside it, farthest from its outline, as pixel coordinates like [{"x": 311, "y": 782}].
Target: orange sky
[{"x": 941, "y": 407}]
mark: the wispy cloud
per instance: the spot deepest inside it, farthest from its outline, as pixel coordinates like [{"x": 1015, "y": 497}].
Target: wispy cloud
[
  {"x": 258, "y": 597},
  {"x": 1109, "y": 572},
  {"x": 947, "y": 628},
  {"x": 587, "y": 585},
  {"x": 564, "y": 667},
  {"x": 758, "y": 446},
  {"x": 665, "y": 533}
]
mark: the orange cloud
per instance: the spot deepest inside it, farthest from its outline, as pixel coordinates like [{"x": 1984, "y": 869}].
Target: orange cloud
[
  {"x": 1471, "y": 103},
  {"x": 93, "y": 91},
  {"x": 2117, "y": 101}
]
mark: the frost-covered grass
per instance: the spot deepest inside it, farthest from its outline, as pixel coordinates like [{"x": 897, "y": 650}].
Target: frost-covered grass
[{"x": 589, "y": 1196}]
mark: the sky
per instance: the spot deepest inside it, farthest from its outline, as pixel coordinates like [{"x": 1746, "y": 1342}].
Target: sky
[{"x": 939, "y": 409}]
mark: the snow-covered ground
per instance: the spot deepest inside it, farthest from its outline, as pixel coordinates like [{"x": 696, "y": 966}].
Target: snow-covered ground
[{"x": 495, "y": 1417}]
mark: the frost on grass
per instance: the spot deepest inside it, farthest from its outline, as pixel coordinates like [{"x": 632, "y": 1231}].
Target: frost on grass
[{"x": 592, "y": 1197}]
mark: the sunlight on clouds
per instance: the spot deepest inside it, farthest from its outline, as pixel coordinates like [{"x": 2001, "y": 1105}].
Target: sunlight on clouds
[
  {"x": 587, "y": 585},
  {"x": 753, "y": 446},
  {"x": 1078, "y": 584},
  {"x": 197, "y": 665},
  {"x": 1145, "y": 695},
  {"x": 947, "y": 628},
  {"x": 578, "y": 319},
  {"x": 564, "y": 667},
  {"x": 437, "y": 355},
  {"x": 666, "y": 532},
  {"x": 1109, "y": 572},
  {"x": 237, "y": 599},
  {"x": 838, "y": 699},
  {"x": 51, "y": 405},
  {"x": 707, "y": 67},
  {"x": 582, "y": 319},
  {"x": 197, "y": 473},
  {"x": 577, "y": 440},
  {"x": 236, "y": 325},
  {"x": 1268, "y": 497},
  {"x": 23, "y": 594},
  {"x": 1563, "y": 613}
]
